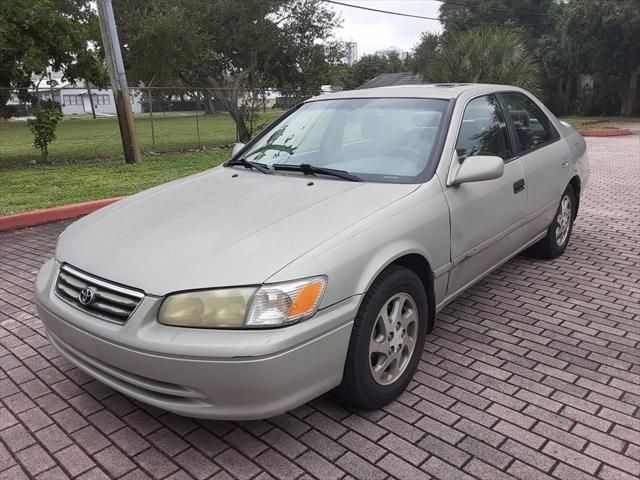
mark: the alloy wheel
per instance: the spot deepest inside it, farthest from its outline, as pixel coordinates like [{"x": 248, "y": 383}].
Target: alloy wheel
[
  {"x": 563, "y": 221},
  {"x": 393, "y": 338}
]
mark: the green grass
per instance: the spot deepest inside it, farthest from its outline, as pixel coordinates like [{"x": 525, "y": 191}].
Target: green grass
[
  {"x": 81, "y": 138},
  {"x": 38, "y": 186},
  {"x": 86, "y": 158}
]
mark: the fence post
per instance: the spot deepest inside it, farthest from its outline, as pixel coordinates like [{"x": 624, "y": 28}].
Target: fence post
[
  {"x": 197, "y": 122},
  {"x": 153, "y": 132}
]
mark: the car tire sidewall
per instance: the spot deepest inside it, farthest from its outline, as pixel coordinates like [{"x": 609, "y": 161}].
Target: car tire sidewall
[{"x": 399, "y": 280}]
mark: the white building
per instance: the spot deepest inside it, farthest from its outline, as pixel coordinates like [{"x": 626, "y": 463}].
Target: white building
[
  {"x": 351, "y": 53},
  {"x": 75, "y": 99},
  {"x": 402, "y": 54}
]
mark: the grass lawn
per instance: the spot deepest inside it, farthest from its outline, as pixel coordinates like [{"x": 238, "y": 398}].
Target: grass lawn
[
  {"x": 37, "y": 186},
  {"x": 81, "y": 138},
  {"x": 87, "y": 164}
]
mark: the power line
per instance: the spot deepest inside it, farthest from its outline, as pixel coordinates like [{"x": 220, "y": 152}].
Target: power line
[
  {"x": 388, "y": 12},
  {"x": 483, "y": 7},
  {"x": 410, "y": 15}
]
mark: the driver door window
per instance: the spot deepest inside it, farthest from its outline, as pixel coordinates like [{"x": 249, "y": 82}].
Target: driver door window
[{"x": 483, "y": 130}]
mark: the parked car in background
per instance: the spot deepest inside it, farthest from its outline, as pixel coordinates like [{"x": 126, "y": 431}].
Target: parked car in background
[{"x": 317, "y": 257}]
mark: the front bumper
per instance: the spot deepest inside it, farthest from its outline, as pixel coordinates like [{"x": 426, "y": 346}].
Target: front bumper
[{"x": 218, "y": 374}]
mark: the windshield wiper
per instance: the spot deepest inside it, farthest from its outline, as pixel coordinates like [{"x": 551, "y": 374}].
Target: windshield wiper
[
  {"x": 261, "y": 167},
  {"x": 308, "y": 169}
]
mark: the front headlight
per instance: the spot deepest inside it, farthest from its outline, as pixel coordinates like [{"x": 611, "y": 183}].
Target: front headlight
[{"x": 266, "y": 306}]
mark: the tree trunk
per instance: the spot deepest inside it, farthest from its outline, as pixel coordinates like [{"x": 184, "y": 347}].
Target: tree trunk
[
  {"x": 570, "y": 93},
  {"x": 231, "y": 105},
  {"x": 629, "y": 97},
  {"x": 241, "y": 127},
  {"x": 558, "y": 98},
  {"x": 93, "y": 108},
  {"x": 5, "y": 95},
  {"x": 227, "y": 93},
  {"x": 209, "y": 106}
]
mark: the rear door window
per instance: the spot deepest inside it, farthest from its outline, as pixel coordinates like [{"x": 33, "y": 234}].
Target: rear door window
[{"x": 531, "y": 125}]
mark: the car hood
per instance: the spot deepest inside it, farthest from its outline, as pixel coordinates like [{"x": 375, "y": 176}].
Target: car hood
[{"x": 223, "y": 227}]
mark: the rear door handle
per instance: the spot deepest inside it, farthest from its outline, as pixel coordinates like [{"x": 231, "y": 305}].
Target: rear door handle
[{"x": 518, "y": 186}]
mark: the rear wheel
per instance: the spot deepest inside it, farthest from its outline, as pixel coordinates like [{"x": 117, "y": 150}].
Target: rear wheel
[
  {"x": 555, "y": 242},
  {"x": 387, "y": 339}
]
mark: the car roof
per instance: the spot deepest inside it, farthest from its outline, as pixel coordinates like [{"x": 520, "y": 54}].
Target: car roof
[{"x": 433, "y": 90}]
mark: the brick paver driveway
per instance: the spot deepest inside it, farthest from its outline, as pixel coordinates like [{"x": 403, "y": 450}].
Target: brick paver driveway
[{"x": 533, "y": 374}]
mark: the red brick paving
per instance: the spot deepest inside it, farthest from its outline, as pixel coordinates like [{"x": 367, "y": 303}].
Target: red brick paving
[{"x": 532, "y": 374}]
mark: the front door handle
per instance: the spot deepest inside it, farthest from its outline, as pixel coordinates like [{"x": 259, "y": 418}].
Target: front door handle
[{"x": 518, "y": 186}]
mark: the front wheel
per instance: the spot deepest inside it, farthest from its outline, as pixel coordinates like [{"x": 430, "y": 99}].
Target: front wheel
[
  {"x": 555, "y": 242},
  {"x": 387, "y": 339}
]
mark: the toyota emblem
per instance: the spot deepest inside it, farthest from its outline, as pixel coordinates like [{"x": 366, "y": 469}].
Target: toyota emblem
[{"x": 86, "y": 296}]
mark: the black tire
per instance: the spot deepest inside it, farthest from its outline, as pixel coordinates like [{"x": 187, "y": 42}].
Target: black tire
[
  {"x": 359, "y": 388},
  {"x": 549, "y": 247}
]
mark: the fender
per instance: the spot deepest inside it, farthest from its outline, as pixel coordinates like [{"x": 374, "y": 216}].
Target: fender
[{"x": 353, "y": 259}]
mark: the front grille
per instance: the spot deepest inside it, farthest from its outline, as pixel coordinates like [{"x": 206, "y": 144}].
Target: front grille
[{"x": 106, "y": 300}]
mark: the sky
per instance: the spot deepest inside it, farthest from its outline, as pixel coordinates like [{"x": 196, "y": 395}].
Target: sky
[{"x": 378, "y": 31}]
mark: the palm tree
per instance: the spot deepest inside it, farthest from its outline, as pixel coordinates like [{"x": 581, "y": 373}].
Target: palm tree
[{"x": 496, "y": 55}]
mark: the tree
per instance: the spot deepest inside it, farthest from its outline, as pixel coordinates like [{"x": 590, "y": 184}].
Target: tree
[
  {"x": 484, "y": 55},
  {"x": 40, "y": 34},
  {"x": 424, "y": 51},
  {"x": 228, "y": 46},
  {"x": 537, "y": 20},
  {"x": 601, "y": 38},
  {"x": 534, "y": 16},
  {"x": 569, "y": 38},
  {"x": 370, "y": 66}
]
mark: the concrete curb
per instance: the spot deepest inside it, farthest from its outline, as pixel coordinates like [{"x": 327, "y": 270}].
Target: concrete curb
[{"x": 54, "y": 214}]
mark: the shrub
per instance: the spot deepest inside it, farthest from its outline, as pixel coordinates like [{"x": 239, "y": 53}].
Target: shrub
[
  {"x": 6, "y": 112},
  {"x": 44, "y": 127}
]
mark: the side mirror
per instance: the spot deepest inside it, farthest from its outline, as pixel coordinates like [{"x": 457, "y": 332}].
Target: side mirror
[
  {"x": 476, "y": 168},
  {"x": 236, "y": 148}
]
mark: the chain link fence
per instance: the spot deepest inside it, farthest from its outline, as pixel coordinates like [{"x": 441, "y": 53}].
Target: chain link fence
[{"x": 167, "y": 119}]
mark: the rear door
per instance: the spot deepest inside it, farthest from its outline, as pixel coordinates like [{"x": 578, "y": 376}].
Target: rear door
[
  {"x": 544, "y": 156},
  {"x": 485, "y": 216}
]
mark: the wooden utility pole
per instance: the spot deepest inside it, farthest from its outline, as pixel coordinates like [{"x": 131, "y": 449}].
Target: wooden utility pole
[{"x": 118, "y": 78}]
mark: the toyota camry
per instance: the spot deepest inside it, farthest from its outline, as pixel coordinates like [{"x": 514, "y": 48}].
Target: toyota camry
[{"x": 317, "y": 257}]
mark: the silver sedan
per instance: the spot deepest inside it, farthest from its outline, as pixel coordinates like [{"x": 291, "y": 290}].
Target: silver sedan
[{"x": 317, "y": 257}]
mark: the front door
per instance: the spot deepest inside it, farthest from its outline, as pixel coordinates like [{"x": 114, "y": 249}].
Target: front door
[{"x": 485, "y": 216}]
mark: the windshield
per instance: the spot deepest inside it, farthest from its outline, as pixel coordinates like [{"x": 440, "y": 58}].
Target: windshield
[{"x": 376, "y": 139}]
